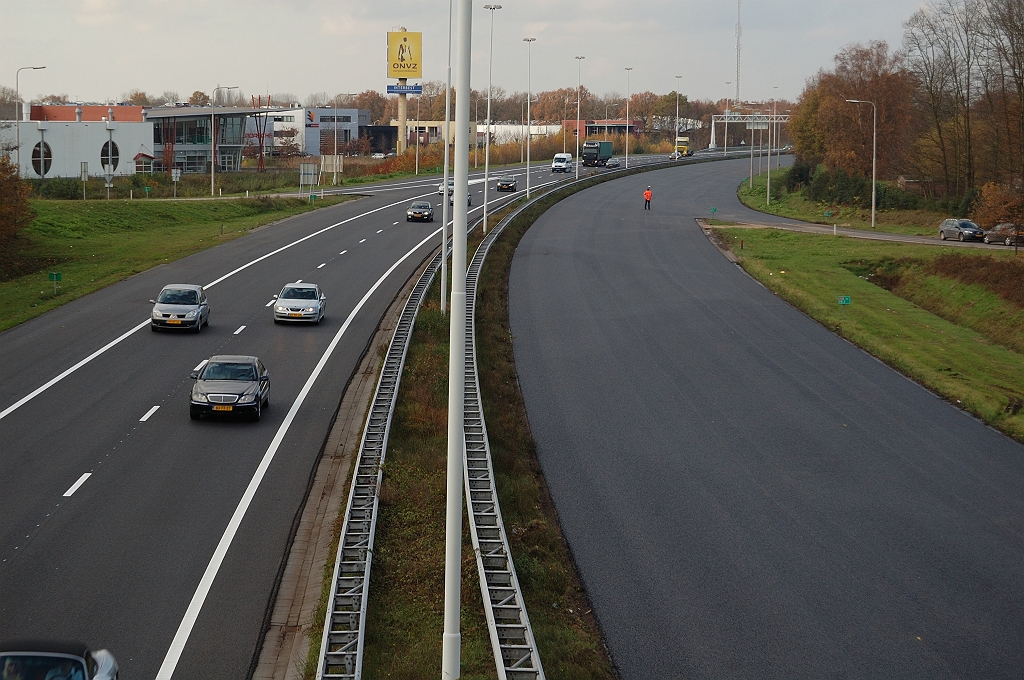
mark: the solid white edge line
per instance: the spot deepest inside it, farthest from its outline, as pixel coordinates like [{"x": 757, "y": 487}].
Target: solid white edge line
[
  {"x": 149, "y": 413},
  {"x": 39, "y": 390},
  {"x": 174, "y": 652},
  {"x": 80, "y": 482},
  {"x": 240, "y": 329}
]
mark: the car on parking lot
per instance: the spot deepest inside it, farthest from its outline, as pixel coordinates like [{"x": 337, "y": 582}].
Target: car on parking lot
[
  {"x": 506, "y": 183},
  {"x": 300, "y": 302},
  {"x": 613, "y": 163},
  {"x": 420, "y": 210},
  {"x": 961, "y": 230},
  {"x": 377, "y": 156},
  {"x": 179, "y": 306},
  {"x": 1005, "y": 233},
  {"x": 51, "y": 660},
  {"x": 451, "y": 188},
  {"x": 230, "y": 385}
]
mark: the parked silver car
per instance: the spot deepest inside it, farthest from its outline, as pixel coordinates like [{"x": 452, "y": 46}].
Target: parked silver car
[
  {"x": 300, "y": 302},
  {"x": 180, "y": 305}
]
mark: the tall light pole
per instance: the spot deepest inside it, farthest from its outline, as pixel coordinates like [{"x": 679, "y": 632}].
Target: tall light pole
[
  {"x": 675, "y": 140},
  {"x": 726, "y": 135},
  {"x": 579, "y": 85},
  {"x": 628, "y": 125},
  {"x": 419, "y": 97},
  {"x": 487, "y": 149},
  {"x": 451, "y": 641},
  {"x": 213, "y": 133},
  {"x": 874, "y": 150},
  {"x": 447, "y": 144},
  {"x": 19, "y": 114},
  {"x": 347, "y": 94},
  {"x": 529, "y": 84},
  {"x": 607, "y": 104}
]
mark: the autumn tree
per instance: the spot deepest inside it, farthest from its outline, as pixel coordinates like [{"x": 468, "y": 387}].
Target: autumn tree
[
  {"x": 52, "y": 99},
  {"x": 136, "y": 97},
  {"x": 199, "y": 98},
  {"x": 15, "y": 213}
]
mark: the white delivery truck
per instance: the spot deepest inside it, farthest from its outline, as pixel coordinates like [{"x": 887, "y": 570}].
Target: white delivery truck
[{"x": 562, "y": 162}]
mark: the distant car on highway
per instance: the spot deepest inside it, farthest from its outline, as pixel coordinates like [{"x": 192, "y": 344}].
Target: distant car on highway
[
  {"x": 506, "y": 183},
  {"x": 961, "y": 230},
  {"x": 469, "y": 198},
  {"x": 420, "y": 210},
  {"x": 377, "y": 156},
  {"x": 451, "y": 188},
  {"x": 1005, "y": 233},
  {"x": 675, "y": 156},
  {"x": 230, "y": 385},
  {"x": 562, "y": 162},
  {"x": 613, "y": 163},
  {"x": 45, "y": 660},
  {"x": 300, "y": 302},
  {"x": 180, "y": 305}
]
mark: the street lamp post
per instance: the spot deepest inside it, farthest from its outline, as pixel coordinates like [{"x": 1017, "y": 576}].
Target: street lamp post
[
  {"x": 675, "y": 140},
  {"x": 874, "y": 150},
  {"x": 19, "y": 114},
  {"x": 529, "y": 84},
  {"x": 628, "y": 125},
  {"x": 447, "y": 153},
  {"x": 487, "y": 150},
  {"x": 725, "y": 150},
  {"x": 335, "y": 163},
  {"x": 418, "y": 98},
  {"x": 213, "y": 133},
  {"x": 579, "y": 83}
]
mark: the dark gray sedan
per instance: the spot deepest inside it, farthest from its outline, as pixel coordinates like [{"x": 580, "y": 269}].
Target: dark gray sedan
[
  {"x": 230, "y": 385},
  {"x": 300, "y": 302},
  {"x": 961, "y": 230},
  {"x": 420, "y": 210},
  {"x": 180, "y": 305}
]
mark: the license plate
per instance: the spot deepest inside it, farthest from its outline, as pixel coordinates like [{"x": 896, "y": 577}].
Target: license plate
[
  {"x": 174, "y": 321},
  {"x": 221, "y": 407},
  {"x": 298, "y": 314}
]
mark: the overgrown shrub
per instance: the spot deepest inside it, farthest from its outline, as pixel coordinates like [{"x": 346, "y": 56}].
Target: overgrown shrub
[
  {"x": 838, "y": 187},
  {"x": 61, "y": 187}
]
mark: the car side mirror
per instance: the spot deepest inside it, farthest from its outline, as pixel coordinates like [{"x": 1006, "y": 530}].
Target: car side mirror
[
  {"x": 194, "y": 375},
  {"x": 152, "y": 302}
]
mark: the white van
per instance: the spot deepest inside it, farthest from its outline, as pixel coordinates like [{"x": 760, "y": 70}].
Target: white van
[{"x": 562, "y": 162}]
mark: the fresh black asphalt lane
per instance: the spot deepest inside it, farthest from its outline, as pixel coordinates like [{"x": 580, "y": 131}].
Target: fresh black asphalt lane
[
  {"x": 747, "y": 495},
  {"x": 116, "y": 563}
]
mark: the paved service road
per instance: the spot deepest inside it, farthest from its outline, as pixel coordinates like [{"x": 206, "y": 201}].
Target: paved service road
[
  {"x": 747, "y": 495},
  {"x": 111, "y": 512}
]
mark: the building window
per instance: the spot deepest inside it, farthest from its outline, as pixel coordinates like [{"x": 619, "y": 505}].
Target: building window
[
  {"x": 106, "y": 158},
  {"x": 42, "y": 153}
]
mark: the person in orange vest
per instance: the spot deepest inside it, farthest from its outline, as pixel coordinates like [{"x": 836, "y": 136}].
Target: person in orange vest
[{"x": 647, "y": 199}]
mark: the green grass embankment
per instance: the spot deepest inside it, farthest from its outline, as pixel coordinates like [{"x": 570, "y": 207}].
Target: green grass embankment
[
  {"x": 96, "y": 243},
  {"x": 957, "y": 338}
]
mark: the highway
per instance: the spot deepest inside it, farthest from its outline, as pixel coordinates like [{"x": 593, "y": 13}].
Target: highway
[
  {"x": 130, "y": 527},
  {"x": 745, "y": 494}
]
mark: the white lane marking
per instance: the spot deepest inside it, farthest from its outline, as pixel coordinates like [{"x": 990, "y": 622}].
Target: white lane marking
[
  {"x": 174, "y": 652},
  {"x": 149, "y": 413},
  {"x": 322, "y": 266},
  {"x": 39, "y": 390},
  {"x": 342, "y": 252},
  {"x": 269, "y": 303},
  {"x": 393, "y": 225},
  {"x": 240, "y": 329},
  {"x": 363, "y": 240},
  {"x": 80, "y": 482},
  {"x": 380, "y": 230},
  {"x": 201, "y": 364}
]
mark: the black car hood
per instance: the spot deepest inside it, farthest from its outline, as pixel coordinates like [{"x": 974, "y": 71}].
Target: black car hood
[{"x": 225, "y": 386}]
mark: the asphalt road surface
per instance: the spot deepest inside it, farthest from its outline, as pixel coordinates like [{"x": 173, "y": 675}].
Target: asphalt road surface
[
  {"x": 109, "y": 522},
  {"x": 747, "y": 495}
]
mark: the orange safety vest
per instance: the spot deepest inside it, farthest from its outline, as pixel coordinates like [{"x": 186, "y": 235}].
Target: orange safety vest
[{"x": 647, "y": 195}]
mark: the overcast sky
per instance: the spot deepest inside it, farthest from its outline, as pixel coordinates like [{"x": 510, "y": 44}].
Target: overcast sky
[{"x": 95, "y": 50}]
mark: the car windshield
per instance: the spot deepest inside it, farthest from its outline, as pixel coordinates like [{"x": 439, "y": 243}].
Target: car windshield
[
  {"x": 505, "y": 179},
  {"x": 967, "y": 224},
  {"x": 298, "y": 294},
  {"x": 178, "y": 296},
  {"x": 229, "y": 371},
  {"x": 419, "y": 206},
  {"x": 26, "y": 667}
]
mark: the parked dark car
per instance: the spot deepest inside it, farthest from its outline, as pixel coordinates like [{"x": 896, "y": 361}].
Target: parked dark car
[
  {"x": 961, "y": 230},
  {"x": 420, "y": 210},
  {"x": 180, "y": 305},
  {"x": 230, "y": 385},
  {"x": 30, "y": 659},
  {"x": 1005, "y": 233}
]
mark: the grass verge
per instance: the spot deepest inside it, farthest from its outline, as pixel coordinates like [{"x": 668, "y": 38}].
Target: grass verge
[
  {"x": 96, "y": 243},
  {"x": 968, "y": 367},
  {"x": 797, "y": 206}
]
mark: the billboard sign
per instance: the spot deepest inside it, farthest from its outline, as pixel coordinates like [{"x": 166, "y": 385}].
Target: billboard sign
[{"x": 405, "y": 54}]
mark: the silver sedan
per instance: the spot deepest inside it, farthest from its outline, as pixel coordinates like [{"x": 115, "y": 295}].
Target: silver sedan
[{"x": 300, "y": 302}]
